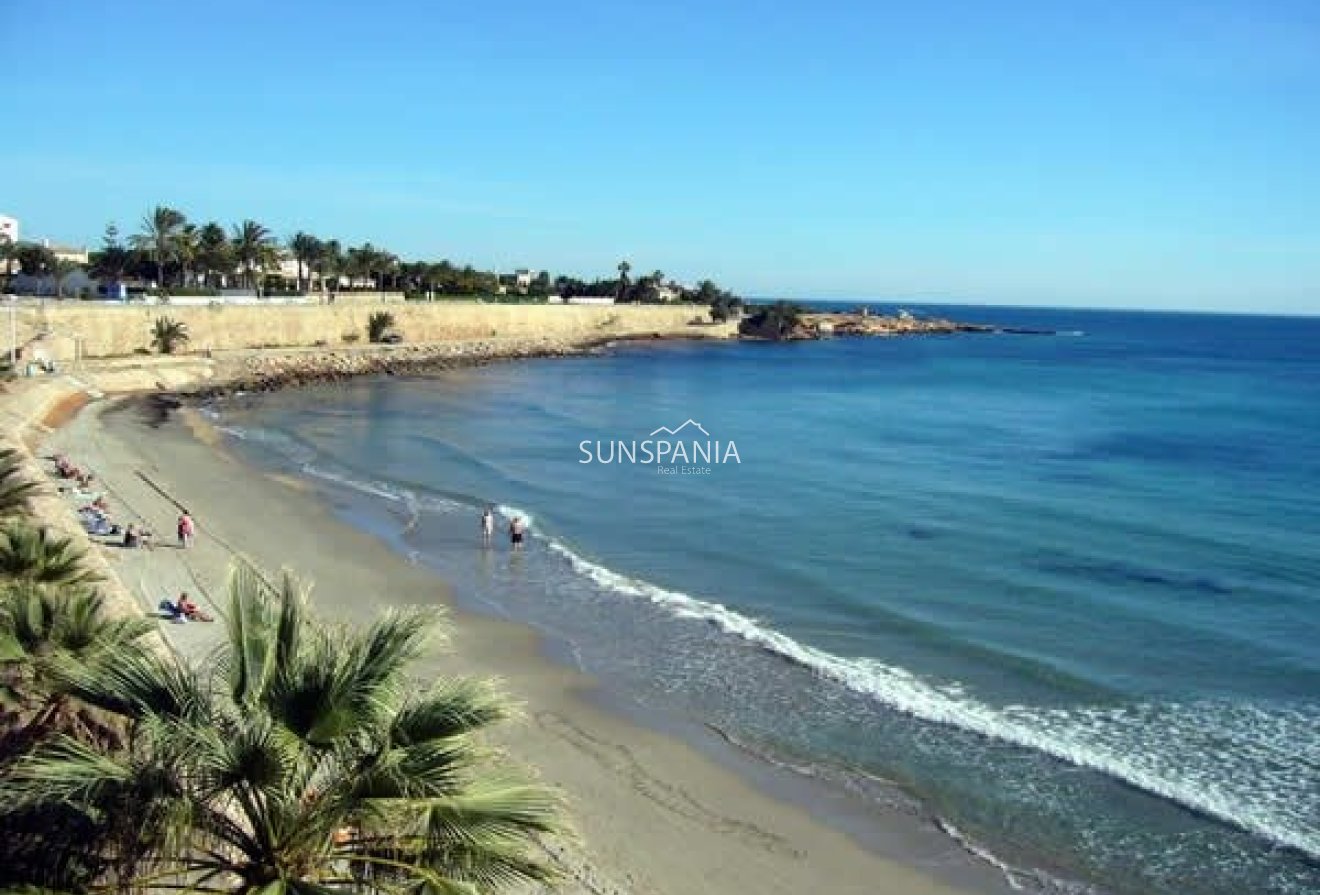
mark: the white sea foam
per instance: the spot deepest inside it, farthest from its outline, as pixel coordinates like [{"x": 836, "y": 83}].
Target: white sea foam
[
  {"x": 510, "y": 512},
  {"x": 1019, "y": 880},
  {"x": 1176, "y": 751}
]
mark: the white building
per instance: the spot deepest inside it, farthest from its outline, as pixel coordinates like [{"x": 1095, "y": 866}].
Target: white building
[
  {"x": 76, "y": 254},
  {"x": 8, "y": 228}
]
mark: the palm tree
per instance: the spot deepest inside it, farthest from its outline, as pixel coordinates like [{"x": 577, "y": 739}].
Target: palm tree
[
  {"x": 34, "y": 553},
  {"x": 61, "y": 269},
  {"x": 305, "y": 248},
  {"x": 48, "y": 636},
  {"x": 329, "y": 262},
  {"x": 168, "y": 334},
  {"x": 378, "y": 324},
  {"x": 187, "y": 248},
  {"x": 214, "y": 253},
  {"x": 8, "y": 254},
  {"x": 159, "y": 229},
  {"x": 15, "y": 487},
  {"x": 251, "y": 244},
  {"x": 304, "y": 761},
  {"x": 622, "y": 290}
]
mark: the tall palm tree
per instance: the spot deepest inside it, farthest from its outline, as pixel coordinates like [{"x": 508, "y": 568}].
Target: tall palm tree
[
  {"x": 187, "y": 248},
  {"x": 305, "y": 762},
  {"x": 214, "y": 253},
  {"x": 329, "y": 261},
  {"x": 15, "y": 487},
  {"x": 251, "y": 242},
  {"x": 159, "y": 229},
  {"x": 8, "y": 254},
  {"x": 34, "y": 553},
  {"x": 622, "y": 292},
  {"x": 305, "y": 248}
]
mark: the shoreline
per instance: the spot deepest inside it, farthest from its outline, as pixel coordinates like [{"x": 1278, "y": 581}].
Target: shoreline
[{"x": 703, "y": 820}]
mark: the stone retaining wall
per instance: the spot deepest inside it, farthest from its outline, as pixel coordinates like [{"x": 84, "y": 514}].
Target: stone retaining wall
[{"x": 100, "y": 330}]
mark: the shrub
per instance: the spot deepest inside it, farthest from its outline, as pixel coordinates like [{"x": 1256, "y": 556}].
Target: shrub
[
  {"x": 378, "y": 324},
  {"x": 168, "y": 334},
  {"x": 350, "y": 336}
]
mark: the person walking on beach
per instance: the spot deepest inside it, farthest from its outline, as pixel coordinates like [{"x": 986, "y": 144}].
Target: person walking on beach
[
  {"x": 487, "y": 525},
  {"x": 516, "y": 529},
  {"x": 186, "y": 530}
]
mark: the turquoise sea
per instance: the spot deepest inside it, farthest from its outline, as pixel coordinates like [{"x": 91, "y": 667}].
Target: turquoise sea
[{"x": 1064, "y": 590}]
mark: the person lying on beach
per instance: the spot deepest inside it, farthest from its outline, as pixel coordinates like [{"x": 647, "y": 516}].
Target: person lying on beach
[
  {"x": 191, "y": 610},
  {"x": 183, "y": 610}
]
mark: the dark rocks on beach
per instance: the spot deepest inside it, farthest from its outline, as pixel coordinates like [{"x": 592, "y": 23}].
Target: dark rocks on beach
[{"x": 269, "y": 372}]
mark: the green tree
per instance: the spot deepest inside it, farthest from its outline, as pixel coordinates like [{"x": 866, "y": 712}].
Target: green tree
[
  {"x": 167, "y": 334},
  {"x": 8, "y": 253},
  {"x": 61, "y": 269},
  {"x": 35, "y": 259},
  {"x": 329, "y": 263},
  {"x": 252, "y": 244},
  {"x": 34, "y": 553},
  {"x": 159, "y": 230},
  {"x": 775, "y": 321},
  {"x": 215, "y": 255},
  {"x": 622, "y": 293},
  {"x": 113, "y": 259},
  {"x": 306, "y": 249},
  {"x": 187, "y": 249},
  {"x": 304, "y": 760},
  {"x": 16, "y": 489},
  {"x": 48, "y": 637}
]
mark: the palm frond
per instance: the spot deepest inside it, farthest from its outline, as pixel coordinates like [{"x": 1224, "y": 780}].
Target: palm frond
[
  {"x": 62, "y": 772},
  {"x": 15, "y": 487},
  {"x": 451, "y": 707},
  {"x": 35, "y": 553},
  {"x": 138, "y": 684},
  {"x": 250, "y": 646}
]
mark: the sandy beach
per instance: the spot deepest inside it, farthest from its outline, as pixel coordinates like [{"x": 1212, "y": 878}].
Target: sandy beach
[{"x": 653, "y": 814}]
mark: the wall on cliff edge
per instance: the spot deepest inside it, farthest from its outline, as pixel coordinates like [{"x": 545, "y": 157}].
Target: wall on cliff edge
[{"x": 104, "y": 330}]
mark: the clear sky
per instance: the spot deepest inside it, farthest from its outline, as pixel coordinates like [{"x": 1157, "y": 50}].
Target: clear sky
[{"x": 1115, "y": 153}]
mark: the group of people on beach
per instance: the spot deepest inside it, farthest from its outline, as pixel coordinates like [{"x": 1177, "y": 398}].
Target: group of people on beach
[
  {"x": 96, "y": 520},
  {"x": 517, "y": 529}
]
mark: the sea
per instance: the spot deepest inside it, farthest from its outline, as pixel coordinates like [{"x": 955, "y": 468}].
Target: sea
[{"x": 1060, "y": 589}]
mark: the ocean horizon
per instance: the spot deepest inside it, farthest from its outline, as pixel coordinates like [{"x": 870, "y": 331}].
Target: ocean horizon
[{"x": 1059, "y": 589}]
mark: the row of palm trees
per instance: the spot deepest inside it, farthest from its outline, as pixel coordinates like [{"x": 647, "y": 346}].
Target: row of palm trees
[
  {"x": 195, "y": 253},
  {"x": 187, "y": 254},
  {"x": 302, "y": 758}
]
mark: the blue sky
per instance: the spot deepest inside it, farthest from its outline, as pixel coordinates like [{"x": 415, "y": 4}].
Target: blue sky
[{"x": 1138, "y": 154}]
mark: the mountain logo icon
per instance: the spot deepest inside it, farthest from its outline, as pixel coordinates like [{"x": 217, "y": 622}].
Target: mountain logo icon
[{"x": 668, "y": 431}]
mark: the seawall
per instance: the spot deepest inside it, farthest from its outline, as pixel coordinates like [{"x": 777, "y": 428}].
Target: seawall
[{"x": 89, "y": 330}]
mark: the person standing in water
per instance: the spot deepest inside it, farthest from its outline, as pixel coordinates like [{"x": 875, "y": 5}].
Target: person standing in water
[
  {"x": 516, "y": 530},
  {"x": 487, "y": 525}
]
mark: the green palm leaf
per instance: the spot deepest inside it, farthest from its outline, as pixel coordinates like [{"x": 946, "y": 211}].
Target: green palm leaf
[
  {"x": 298, "y": 764},
  {"x": 15, "y": 488},
  {"x": 37, "y": 554}
]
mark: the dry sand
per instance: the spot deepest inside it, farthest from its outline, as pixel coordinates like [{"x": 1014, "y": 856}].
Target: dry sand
[{"x": 653, "y": 814}]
